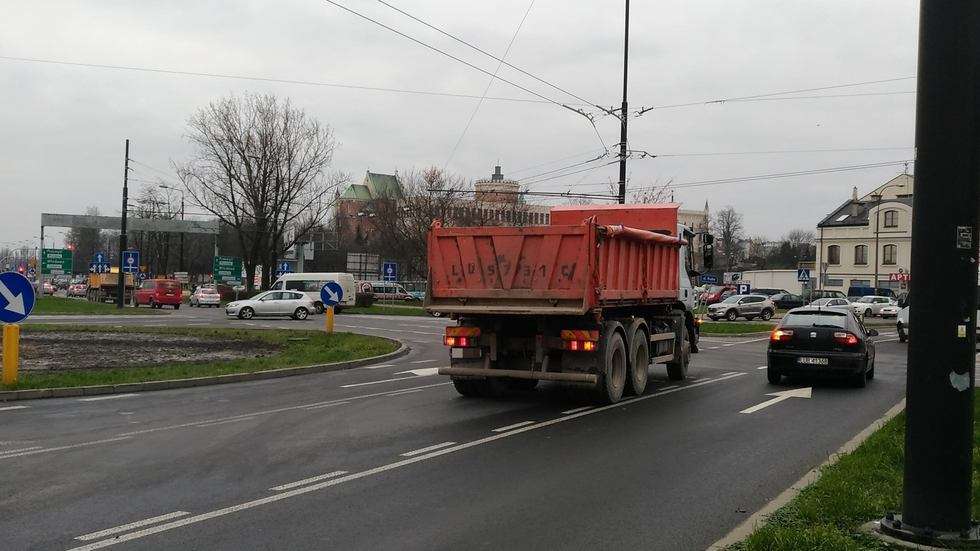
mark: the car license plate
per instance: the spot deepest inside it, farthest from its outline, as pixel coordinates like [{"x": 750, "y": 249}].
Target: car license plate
[{"x": 813, "y": 361}]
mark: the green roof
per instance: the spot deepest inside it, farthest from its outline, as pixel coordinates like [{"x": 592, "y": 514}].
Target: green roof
[{"x": 374, "y": 186}]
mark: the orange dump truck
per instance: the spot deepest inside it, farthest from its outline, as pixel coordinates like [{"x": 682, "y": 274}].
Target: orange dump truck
[{"x": 593, "y": 298}]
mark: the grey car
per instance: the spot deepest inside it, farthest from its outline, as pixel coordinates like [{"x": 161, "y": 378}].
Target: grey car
[{"x": 743, "y": 306}]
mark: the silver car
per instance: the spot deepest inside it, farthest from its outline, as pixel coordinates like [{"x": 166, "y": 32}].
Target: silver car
[
  {"x": 292, "y": 304},
  {"x": 744, "y": 306},
  {"x": 870, "y": 306},
  {"x": 832, "y": 303}
]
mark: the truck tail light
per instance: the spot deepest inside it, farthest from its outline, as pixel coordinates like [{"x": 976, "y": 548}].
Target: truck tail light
[
  {"x": 781, "y": 335},
  {"x": 845, "y": 338},
  {"x": 580, "y": 340},
  {"x": 459, "y": 342},
  {"x": 580, "y": 346},
  {"x": 462, "y": 337}
]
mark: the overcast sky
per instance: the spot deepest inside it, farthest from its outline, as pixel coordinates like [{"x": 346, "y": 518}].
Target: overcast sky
[{"x": 62, "y": 128}]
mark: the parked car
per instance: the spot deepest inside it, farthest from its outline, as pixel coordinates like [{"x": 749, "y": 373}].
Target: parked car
[
  {"x": 870, "y": 306},
  {"x": 870, "y": 291},
  {"x": 889, "y": 311},
  {"x": 389, "y": 290},
  {"x": 156, "y": 293},
  {"x": 832, "y": 303},
  {"x": 77, "y": 289},
  {"x": 48, "y": 288},
  {"x": 810, "y": 296},
  {"x": 205, "y": 295},
  {"x": 716, "y": 293},
  {"x": 767, "y": 292},
  {"x": 821, "y": 341},
  {"x": 294, "y": 304},
  {"x": 787, "y": 300},
  {"x": 310, "y": 283},
  {"x": 745, "y": 306}
]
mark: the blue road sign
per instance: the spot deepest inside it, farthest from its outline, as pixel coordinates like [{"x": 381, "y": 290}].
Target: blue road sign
[
  {"x": 709, "y": 278},
  {"x": 98, "y": 258},
  {"x": 130, "y": 261},
  {"x": 97, "y": 268},
  {"x": 141, "y": 276},
  {"x": 803, "y": 274},
  {"x": 283, "y": 267},
  {"x": 331, "y": 294},
  {"x": 16, "y": 297},
  {"x": 744, "y": 288},
  {"x": 32, "y": 272},
  {"x": 389, "y": 271}
]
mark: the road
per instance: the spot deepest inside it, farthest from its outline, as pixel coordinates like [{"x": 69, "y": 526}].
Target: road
[{"x": 390, "y": 456}]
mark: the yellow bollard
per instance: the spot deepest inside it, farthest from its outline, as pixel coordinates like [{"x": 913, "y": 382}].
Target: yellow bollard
[
  {"x": 11, "y": 353},
  {"x": 328, "y": 320}
]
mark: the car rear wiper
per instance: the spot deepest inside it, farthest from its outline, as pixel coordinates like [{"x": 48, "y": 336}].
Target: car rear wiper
[{"x": 827, "y": 326}]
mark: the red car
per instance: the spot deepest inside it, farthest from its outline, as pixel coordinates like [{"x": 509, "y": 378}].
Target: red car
[
  {"x": 717, "y": 293},
  {"x": 157, "y": 292}
]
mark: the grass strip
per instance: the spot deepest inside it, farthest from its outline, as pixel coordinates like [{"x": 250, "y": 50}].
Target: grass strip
[
  {"x": 296, "y": 348},
  {"x": 380, "y": 310},
  {"x": 861, "y": 487},
  {"x": 733, "y": 328},
  {"x": 81, "y": 307}
]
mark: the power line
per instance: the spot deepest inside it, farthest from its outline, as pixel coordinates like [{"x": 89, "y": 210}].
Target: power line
[
  {"x": 552, "y": 171},
  {"x": 769, "y": 94},
  {"x": 488, "y": 54},
  {"x": 539, "y": 165},
  {"x": 489, "y": 84},
  {"x": 570, "y": 173},
  {"x": 269, "y": 79},
  {"x": 783, "y": 151}
]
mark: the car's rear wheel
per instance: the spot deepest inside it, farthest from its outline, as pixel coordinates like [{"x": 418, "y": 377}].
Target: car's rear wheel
[
  {"x": 176, "y": 307},
  {"x": 301, "y": 313},
  {"x": 732, "y": 315},
  {"x": 318, "y": 306},
  {"x": 773, "y": 375},
  {"x": 902, "y": 335},
  {"x": 153, "y": 303},
  {"x": 246, "y": 313},
  {"x": 868, "y": 313},
  {"x": 767, "y": 314},
  {"x": 860, "y": 380}
]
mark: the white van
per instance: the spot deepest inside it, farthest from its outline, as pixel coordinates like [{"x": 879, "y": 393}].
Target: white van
[{"x": 311, "y": 283}]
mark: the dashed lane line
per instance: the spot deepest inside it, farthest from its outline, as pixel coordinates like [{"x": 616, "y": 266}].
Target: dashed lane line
[
  {"x": 11, "y": 408},
  {"x": 353, "y": 385},
  {"x": 514, "y": 426},
  {"x": 131, "y": 525},
  {"x": 423, "y": 361},
  {"x": 109, "y": 397},
  {"x": 762, "y": 367},
  {"x": 376, "y": 470},
  {"x": 428, "y": 449},
  {"x": 576, "y": 410},
  {"x": 306, "y": 481},
  {"x": 68, "y": 447},
  {"x": 225, "y": 422},
  {"x": 321, "y": 406}
]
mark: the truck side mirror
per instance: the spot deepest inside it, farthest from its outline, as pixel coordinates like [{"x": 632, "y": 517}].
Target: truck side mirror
[{"x": 708, "y": 250}]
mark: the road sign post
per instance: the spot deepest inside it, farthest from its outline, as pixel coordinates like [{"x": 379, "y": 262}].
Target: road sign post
[
  {"x": 11, "y": 353},
  {"x": 330, "y": 295},
  {"x": 390, "y": 270},
  {"x": 17, "y": 300}
]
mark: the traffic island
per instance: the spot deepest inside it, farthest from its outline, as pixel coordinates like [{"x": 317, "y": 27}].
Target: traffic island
[
  {"x": 735, "y": 327},
  {"x": 61, "y": 360},
  {"x": 835, "y": 512},
  {"x": 60, "y": 306}
]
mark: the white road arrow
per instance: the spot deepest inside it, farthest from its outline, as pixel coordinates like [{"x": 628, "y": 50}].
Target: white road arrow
[
  {"x": 424, "y": 372},
  {"x": 779, "y": 397},
  {"x": 15, "y": 303}
]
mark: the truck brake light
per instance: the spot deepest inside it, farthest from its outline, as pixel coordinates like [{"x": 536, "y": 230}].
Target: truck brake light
[
  {"x": 580, "y": 346},
  {"x": 460, "y": 342}
]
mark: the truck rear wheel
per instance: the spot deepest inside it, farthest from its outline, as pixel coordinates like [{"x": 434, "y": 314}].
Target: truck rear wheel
[
  {"x": 470, "y": 388},
  {"x": 677, "y": 369},
  {"x": 612, "y": 372},
  {"x": 639, "y": 362}
]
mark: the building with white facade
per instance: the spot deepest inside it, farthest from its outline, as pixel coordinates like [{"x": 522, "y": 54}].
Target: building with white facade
[{"x": 868, "y": 237}]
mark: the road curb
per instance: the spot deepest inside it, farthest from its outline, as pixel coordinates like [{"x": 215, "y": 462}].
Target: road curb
[
  {"x": 758, "y": 518},
  {"x": 123, "y": 388}
]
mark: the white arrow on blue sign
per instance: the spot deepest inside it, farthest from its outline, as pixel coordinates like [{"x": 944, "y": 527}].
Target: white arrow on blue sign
[
  {"x": 98, "y": 258},
  {"x": 17, "y": 295},
  {"x": 331, "y": 294}
]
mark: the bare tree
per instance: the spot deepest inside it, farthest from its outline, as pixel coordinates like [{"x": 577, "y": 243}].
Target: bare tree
[
  {"x": 728, "y": 228},
  {"x": 87, "y": 242},
  {"x": 655, "y": 193},
  {"x": 259, "y": 167}
]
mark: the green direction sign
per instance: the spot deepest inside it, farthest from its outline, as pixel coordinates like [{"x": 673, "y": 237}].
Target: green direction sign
[
  {"x": 55, "y": 261},
  {"x": 228, "y": 269}
]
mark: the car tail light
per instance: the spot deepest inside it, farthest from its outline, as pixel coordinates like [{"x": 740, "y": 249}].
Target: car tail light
[
  {"x": 781, "y": 335},
  {"x": 845, "y": 338}
]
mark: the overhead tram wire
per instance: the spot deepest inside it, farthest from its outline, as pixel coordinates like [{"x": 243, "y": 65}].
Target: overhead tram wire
[
  {"x": 552, "y": 171},
  {"x": 554, "y": 161},
  {"x": 486, "y": 90},
  {"x": 556, "y": 176},
  {"x": 272, "y": 80},
  {"x": 588, "y": 116}
]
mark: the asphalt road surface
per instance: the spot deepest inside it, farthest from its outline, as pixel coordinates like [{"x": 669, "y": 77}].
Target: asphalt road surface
[{"x": 390, "y": 457}]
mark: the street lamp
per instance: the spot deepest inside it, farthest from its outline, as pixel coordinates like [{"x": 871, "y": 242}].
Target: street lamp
[
  {"x": 162, "y": 186},
  {"x": 877, "y": 198}
]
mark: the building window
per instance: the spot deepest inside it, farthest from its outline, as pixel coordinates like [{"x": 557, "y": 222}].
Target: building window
[
  {"x": 891, "y": 218},
  {"x": 890, "y": 256},
  {"x": 835, "y": 283},
  {"x": 833, "y": 255},
  {"x": 860, "y": 283},
  {"x": 861, "y": 254}
]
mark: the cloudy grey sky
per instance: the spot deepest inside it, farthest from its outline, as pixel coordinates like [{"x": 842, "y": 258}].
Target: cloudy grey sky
[{"x": 62, "y": 127}]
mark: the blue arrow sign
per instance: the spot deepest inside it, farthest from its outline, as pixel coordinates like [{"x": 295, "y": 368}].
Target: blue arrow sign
[
  {"x": 130, "y": 261},
  {"x": 803, "y": 274},
  {"x": 98, "y": 258},
  {"x": 331, "y": 294},
  {"x": 16, "y": 297}
]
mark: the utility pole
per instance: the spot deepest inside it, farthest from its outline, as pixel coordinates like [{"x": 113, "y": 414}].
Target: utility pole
[
  {"x": 939, "y": 392},
  {"x": 121, "y": 289},
  {"x": 624, "y": 113},
  {"x": 181, "y": 233}
]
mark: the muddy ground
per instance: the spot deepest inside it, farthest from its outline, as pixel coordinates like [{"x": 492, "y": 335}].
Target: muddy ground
[{"x": 95, "y": 350}]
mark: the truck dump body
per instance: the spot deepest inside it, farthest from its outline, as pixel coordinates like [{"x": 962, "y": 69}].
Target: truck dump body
[{"x": 589, "y": 257}]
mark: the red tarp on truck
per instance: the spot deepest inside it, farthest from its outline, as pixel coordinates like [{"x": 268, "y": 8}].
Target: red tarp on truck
[{"x": 589, "y": 257}]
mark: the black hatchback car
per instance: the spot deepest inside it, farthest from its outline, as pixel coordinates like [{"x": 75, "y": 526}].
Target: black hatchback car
[{"x": 824, "y": 342}]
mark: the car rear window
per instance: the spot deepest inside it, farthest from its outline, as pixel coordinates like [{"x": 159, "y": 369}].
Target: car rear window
[
  {"x": 807, "y": 318},
  {"x": 168, "y": 285}
]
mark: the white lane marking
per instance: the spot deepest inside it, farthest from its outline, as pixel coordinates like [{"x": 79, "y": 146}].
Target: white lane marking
[
  {"x": 272, "y": 411},
  {"x": 5, "y": 452},
  {"x": 326, "y": 405},
  {"x": 131, "y": 525},
  {"x": 713, "y": 347},
  {"x": 400, "y": 392},
  {"x": 306, "y": 481},
  {"x": 225, "y": 421},
  {"x": 746, "y": 341},
  {"x": 9, "y": 408},
  {"x": 376, "y": 470},
  {"x": 762, "y": 367},
  {"x": 109, "y": 397},
  {"x": 576, "y": 410},
  {"x": 424, "y": 372},
  {"x": 377, "y": 382},
  {"x": 699, "y": 379},
  {"x": 68, "y": 447},
  {"x": 428, "y": 449},
  {"x": 423, "y": 361},
  {"x": 779, "y": 397},
  {"x": 378, "y": 366},
  {"x": 514, "y": 426},
  {"x": 668, "y": 388},
  {"x": 728, "y": 373}
]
